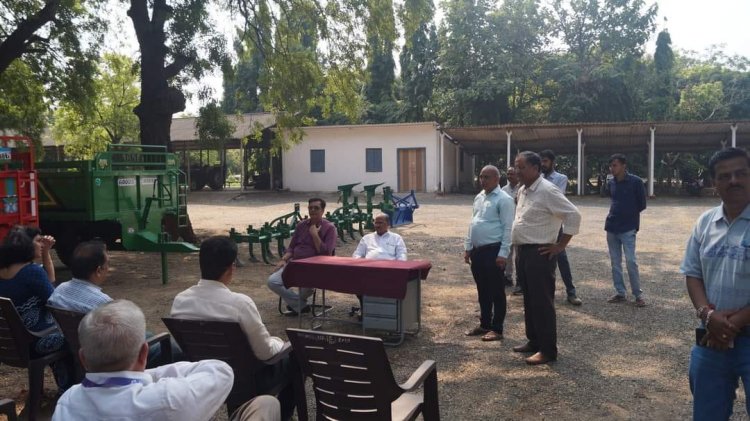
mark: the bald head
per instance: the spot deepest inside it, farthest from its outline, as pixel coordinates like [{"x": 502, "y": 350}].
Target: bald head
[{"x": 489, "y": 178}]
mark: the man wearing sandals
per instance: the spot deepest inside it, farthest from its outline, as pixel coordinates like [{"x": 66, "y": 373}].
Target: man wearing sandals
[{"x": 487, "y": 246}]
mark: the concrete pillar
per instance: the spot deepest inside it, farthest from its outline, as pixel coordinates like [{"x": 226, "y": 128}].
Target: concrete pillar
[
  {"x": 734, "y": 134},
  {"x": 580, "y": 165},
  {"x": 651, "y": 158},
  {"x": 509, "y": 163},
  {"x": 583, "y": 168}
]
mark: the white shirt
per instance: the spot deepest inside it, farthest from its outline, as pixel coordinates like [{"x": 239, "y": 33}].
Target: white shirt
[
  {"x": 541, "y": 209},
  {"x": 512, "y": 191},
  {"x": 389, "y": 246},
  {"x": 212, "y": 300},
  {"x": 181, "y": 391}
]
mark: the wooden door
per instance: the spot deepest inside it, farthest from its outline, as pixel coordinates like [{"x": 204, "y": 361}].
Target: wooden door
[{"x": 411, "y": 169}]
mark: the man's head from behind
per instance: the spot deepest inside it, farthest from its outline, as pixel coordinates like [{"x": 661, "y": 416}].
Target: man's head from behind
[
  {"x": 217, "y": 257},
  {"x": 112, "y": 338},
  {"x": 90, "y": 262},
  {"x": 382, "y": 222}
]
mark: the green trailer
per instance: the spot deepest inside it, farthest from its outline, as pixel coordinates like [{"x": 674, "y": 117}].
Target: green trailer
[{"x": 132, "y": 197}]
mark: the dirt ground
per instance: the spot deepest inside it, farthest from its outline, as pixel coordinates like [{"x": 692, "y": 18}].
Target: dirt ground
[{"x": 616, "y": 361}]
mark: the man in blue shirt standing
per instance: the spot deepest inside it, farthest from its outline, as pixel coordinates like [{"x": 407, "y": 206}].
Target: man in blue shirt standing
[
  {"x": 716, "y": 267},
  {"x": 487, "y": 246},
  {"x": 622, "y": 224},
  {"x": 561, "y": 182}
]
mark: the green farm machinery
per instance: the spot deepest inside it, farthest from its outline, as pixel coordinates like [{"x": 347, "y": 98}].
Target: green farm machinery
[{"x": 131, "y": 197}]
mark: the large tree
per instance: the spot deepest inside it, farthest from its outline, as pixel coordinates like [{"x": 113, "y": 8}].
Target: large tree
[
  {"x": 108, "y": 118},
  {"x": 418, "y": 59}
]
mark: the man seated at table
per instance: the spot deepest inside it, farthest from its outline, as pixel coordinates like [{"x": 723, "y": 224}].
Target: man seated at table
[
  {"x": 312, "y": 237},
  {"x": 117, "y": 385},
  {"x": 89, "y": 266},
  {"x": 211, "y": 299},
  {"x": 381, "y": 244}
]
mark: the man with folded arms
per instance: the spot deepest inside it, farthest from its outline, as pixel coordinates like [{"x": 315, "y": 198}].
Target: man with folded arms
[
  {"x": 542, "y": 208},
  {"x": 487, "y": 246},
  {"x": 117, "y": 385}
]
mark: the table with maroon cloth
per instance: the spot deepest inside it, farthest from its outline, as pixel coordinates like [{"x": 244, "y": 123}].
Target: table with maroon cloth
[{"x": 379, "y": 281}]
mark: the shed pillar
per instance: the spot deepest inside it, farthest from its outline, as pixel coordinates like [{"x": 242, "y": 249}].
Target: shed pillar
[
  {"x": 580, "y": 164},
  {"x": 508, "y": 134},
  {"x": 651, "y": 158},
  {"x": 734, "y": 134}
]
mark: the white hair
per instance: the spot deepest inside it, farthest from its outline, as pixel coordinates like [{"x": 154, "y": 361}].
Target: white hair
[
  {"x": 111, "y": 336},
  {"x": 491, "y": 168},
  {"x": 383, "y": 215}
]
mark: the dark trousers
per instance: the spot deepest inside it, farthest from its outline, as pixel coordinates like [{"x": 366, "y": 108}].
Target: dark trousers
[
  {"x": 536, "y": 274},
  {"x": 273, "y": 375},
  {"x": 564, "y": 266},
  {"x": 490, "y": 281}
]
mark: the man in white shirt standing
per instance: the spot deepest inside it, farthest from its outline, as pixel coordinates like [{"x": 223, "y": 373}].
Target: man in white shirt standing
[
  {"x": 211, "y": 299},
  {"x": 117, "y": 385},
  {"x": 541, "y": 210},
  {"x": 381, "y": 244}
]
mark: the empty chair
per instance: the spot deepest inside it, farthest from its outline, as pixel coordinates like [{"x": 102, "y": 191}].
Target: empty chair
[
  {"x": 15, "y": 350},
  {"x": 352, "y": 379}
]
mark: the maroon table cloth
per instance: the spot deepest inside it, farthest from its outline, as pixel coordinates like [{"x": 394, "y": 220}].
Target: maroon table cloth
[{"x": 377, "y": 278}]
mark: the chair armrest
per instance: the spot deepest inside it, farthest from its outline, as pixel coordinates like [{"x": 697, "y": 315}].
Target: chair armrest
[
  {"x": 164, "y": 339},
  {"x": 419, "y": 376},
  {"x": 285, "y": 350},
  {"x": 45, "y": 332},
  {"x": 8, "y": 407}
]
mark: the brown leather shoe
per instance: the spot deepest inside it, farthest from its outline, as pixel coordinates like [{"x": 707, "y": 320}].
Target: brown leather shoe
[
  {"x": 479, "y": 330},
  {"x": 524, "y": 348},
  {"x": 492, "y": 336},
  {"x": 539, "y": 358}
]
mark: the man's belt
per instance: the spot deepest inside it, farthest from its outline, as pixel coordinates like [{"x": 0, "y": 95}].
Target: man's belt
[{"x": 485, "y": 247}]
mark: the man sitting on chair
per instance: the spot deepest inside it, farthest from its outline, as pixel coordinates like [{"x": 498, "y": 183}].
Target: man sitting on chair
[
  {"x": 211, "y": 299},
  {"x": 117, "y": 385},
  {"x": 312, "y": 237},
  {"x": 381, "y": 244}
]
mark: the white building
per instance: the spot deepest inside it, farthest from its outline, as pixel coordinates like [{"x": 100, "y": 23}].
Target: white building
[{"x": 405, "y": 156}]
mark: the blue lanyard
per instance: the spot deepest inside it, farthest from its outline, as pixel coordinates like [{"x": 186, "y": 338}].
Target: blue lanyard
[{"x": 111, "y": 382}]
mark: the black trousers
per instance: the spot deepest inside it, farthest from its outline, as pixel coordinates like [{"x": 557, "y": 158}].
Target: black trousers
[
  {"x": 536, "y": 275},
  {"x": 490, "y": 280}
]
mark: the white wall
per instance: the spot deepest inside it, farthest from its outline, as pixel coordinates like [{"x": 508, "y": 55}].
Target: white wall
[{"x": 345, "y": 155}]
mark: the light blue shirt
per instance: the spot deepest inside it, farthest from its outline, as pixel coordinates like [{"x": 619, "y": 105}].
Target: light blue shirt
[
  {"x": 559, "y": 180},
  {"x": 491, "y": 221},
  {"x": 719, "y": 253},
  {"x": 78, "y": 295}
]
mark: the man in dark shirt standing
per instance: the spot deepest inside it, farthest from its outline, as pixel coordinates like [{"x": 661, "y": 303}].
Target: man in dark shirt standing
[{"x": 623, "y": 221}]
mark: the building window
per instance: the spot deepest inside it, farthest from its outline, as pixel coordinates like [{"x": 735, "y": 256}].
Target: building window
[
  {"x": 374, "y": 159},
  {"x": 317, "y": 160}
]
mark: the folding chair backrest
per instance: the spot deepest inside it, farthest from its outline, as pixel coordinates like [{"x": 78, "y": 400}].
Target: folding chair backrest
[
  {"x": 68, "y": 322},
  {"x": 15, "y": 339},
  {"x": 225, "y": 341},
  {"x": 351, "y": 375}
]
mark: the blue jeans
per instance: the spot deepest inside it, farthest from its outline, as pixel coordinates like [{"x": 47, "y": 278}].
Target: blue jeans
[
  {"x": 617, "y": 243},
  {"x": 714, "y": 377}
]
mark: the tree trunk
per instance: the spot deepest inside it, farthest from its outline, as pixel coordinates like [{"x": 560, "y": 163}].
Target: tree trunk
[{"x": 158, "y": 100}]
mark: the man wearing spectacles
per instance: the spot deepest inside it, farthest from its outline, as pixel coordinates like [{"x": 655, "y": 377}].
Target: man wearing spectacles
[{"x": 313, "y": 236}]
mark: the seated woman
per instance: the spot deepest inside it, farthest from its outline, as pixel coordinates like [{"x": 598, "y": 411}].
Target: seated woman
[
  {"x": 27, "y": 285},
  {"x": 42, "y": 246}
]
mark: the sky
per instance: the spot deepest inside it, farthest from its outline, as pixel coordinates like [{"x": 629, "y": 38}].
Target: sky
[{"x": 694, "y": 25}]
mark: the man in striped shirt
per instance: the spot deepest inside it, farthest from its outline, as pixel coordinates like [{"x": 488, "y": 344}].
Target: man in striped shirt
[{"x": 541, "y": 210}]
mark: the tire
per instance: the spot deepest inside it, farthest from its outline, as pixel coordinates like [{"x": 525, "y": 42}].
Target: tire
[{"x": 216, "y": 178}]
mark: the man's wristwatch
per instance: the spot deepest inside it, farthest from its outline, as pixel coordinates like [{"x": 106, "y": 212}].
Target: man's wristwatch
[{"x": 699, "y": 311}]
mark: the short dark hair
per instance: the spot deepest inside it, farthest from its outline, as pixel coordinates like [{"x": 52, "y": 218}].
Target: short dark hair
[
  {"x": 87, "y": 257},
  {"x": 547, "y": 153},
  {"x": 619, "y": 157},
  {"x": 17, "y": 247},
  {"x": 726, "y": 154},
  {"x": 217, "y": 254},
  {"x": 317, "y": 199},
  {"x": 32, "y": 232},
  {"x": 532, "y": 158}
]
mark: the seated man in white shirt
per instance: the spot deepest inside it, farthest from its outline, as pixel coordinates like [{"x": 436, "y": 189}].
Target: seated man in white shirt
[
  {"x": 117, "y": 385},
  {"x": 211, "y": 299},
  {"x": 381, "y": 244}
]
